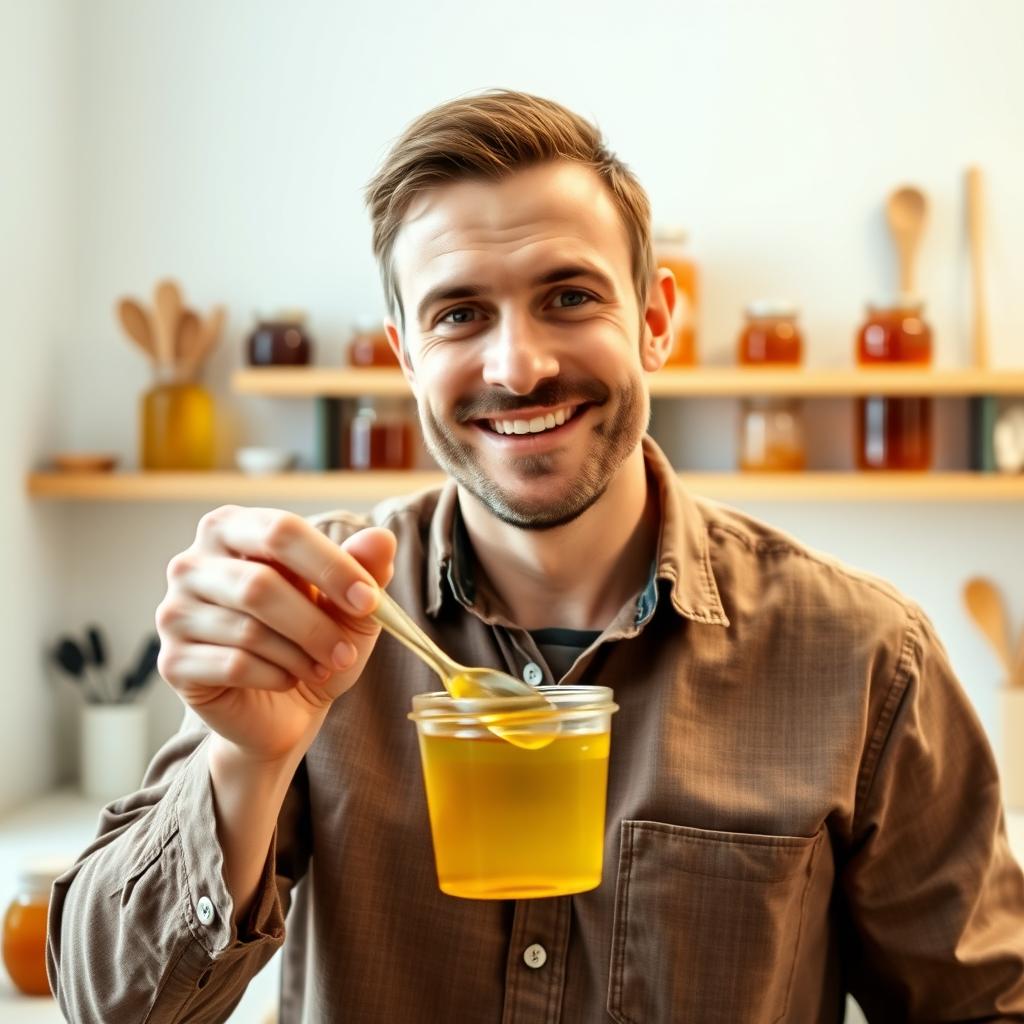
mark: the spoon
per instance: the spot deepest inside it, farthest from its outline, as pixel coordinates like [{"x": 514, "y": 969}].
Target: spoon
[
  {"x": 469, "y": 684},
  {"x": 167, "y": 302},
  {"x": 906, "y": 211},
  {"x": 135, "y": 321},
  {"x": 986, "y": 609},
  {"x": 186, "y": 340}
]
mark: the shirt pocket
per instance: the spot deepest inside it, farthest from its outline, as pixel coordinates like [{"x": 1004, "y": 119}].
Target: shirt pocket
[{"x": 707, "y": 924}]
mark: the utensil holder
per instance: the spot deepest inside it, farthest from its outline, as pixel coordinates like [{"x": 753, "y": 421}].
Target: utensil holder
[
  {"x": 113, "y": 751},
  {"x": 1011, "y": 762}
]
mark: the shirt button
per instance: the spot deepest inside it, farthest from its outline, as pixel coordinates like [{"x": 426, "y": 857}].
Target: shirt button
[
  {"x": 535, "y": 955},
  {"x": 534, "y": 675},
  {"x": 204, "y": 908}
]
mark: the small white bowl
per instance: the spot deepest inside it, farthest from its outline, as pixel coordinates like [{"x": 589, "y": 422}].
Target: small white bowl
[{"x": 258, "y": 461}]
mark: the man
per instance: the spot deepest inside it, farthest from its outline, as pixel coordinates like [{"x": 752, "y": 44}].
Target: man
[{"x": 801, "y": 802}]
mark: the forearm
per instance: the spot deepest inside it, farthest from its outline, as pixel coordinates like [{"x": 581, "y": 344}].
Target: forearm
[{"x": 248, "y": 795}]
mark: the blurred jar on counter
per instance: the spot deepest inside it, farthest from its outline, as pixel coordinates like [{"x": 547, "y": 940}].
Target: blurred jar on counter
[
  {"x": 894, "y": 432},
  {"x": 369, "y": 345},
  {"x": 24, "y": 929},
  {"x": 380, "y": 434},
  {"x": 281, "y": 340},
  {"x": 670, "y": 252},
  {"x": 178, "y": 425},
  {"x": 771, "y": 428}
]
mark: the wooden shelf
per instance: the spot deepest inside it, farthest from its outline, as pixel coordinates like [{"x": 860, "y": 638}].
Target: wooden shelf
[
  {"x": 700, "y": 382},
  {"x": 336, "y": 489}
]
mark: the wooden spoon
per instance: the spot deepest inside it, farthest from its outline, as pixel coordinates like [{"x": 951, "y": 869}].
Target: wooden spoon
[
  {"x": 209, "y": 333},
  {"x": 985, "y": 607},
  {"x": 188, "y": 338},
  {"x": 168, "y": 312},
  {"x": 135, "y": 321},
  {"x": 907, "y": 210}
]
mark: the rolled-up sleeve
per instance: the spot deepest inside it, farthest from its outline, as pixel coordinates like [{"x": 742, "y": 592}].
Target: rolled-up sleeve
[
  {"x": 141, "y": 927},
  {"x": 934, "y": 895}
]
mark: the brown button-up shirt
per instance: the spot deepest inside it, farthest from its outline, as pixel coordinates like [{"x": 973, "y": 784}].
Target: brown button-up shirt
[{"x": 801, "y": 803}]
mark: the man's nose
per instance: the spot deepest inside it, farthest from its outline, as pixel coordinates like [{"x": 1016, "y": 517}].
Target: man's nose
[{"x": 517, "y": 356}]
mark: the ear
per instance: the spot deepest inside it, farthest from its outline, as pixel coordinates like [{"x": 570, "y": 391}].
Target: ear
[
  {"x": 656, "y": 340},
  {"x": 395, "y": 341}
]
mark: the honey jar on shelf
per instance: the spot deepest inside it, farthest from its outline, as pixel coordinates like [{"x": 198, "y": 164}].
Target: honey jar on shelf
[
  {"x": 178, "y": 425},
  {"x": 894, "y": 433},
  {"x": 670, "y": 252},
  {"x": 771, "y": 437},
  {"x": 380, "y": 435},
  {"x": 280, "y": 340},
  {"x": 369, "y": 344},
  {"x": 24, "y": 926}
]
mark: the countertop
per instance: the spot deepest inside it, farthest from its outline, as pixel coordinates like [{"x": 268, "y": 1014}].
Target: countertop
[{"x": 63, "y": 823}]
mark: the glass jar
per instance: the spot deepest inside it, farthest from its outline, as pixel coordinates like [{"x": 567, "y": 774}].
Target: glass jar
[
  {"x": 380, "y": 435},
  {"x": 281, "y": 340},
  {"x": 369, "y": 344},
  {"x": 670, "y": 252},
  {"x": 771, "y": 335},
  {"x": 24, "y": 928},
  {"x": 178, "y": 426},
  {"x": 772, "y": 435},
  {"x": 894, "y": 433}
]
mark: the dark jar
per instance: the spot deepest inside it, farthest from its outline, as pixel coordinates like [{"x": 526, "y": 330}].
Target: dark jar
[{"x": 280, "y": 340}]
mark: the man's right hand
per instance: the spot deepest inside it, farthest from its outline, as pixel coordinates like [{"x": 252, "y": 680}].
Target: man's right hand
[{"x": 242, "y": 640}]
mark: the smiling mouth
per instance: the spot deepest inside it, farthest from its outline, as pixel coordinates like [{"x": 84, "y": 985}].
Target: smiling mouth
[{"x": 539, "y": 423}]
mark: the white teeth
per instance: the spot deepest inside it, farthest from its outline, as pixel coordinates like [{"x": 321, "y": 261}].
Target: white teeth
[{"x": 534, "y": 426}]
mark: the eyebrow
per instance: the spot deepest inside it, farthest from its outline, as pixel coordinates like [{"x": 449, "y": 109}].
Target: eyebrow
[{"x": 468, "y": 290}]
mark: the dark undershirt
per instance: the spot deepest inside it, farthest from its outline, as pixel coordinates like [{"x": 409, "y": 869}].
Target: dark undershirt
[{"x": 561, "y": 647}]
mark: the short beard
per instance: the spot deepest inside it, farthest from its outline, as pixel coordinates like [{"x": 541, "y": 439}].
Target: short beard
[{"x": 612, "y": 443}]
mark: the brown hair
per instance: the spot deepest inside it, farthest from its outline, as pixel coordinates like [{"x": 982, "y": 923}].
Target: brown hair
[{"x": 491, "y": 135}]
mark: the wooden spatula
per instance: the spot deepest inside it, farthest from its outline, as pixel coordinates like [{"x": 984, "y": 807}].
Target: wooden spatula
[
  {"x": 906, "y": 212},
  {"x": 209, "y": 334},
  {"x": 168, "y": 311},
  {"x": 136, "y": 323},
  {"x": 187, "y": 339},
  {"x": 985, "y": 606}
]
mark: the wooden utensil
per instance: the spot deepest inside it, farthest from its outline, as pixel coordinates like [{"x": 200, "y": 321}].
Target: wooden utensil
[
  {"x": 907, "y": 211},
  {"x": 985, "y": 606},
  {"x": 976, "y": 236},
  {"x": 136, "y": 323},
  {"x": 167, "y": 313},
  {"x": 1017, "y": 674},
  {"x": 209, "y": 334},
  {"x": 187, "y": 339}
]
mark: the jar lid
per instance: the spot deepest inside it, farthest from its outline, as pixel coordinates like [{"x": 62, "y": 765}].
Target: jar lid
[
  {"x": 39, "y": 873},
  {"x": 772, "y": 309},
  {"x": 903, "y": 302},
  {"x": 287, "y": 315}
]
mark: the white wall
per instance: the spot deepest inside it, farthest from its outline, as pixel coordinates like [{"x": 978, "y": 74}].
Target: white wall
[
  {"x": 37, "y": 294},
  {"x": 228, "y": 144}
]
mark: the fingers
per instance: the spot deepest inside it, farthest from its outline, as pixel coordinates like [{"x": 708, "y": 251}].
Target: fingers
[
  {"x": 292, "y": 542},
  {"x": 210, "y": 668}
]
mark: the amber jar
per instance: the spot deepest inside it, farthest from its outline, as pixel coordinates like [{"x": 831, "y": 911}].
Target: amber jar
[
  {"x": 281, "y": 340},
  {"x": 178, "y": 426},
  {"x": 894, "y": 433},
  {"x": 368, "y": 345},
  {"x": 772, "y": 436},
  {"x": 24, "y": 928},
  {"x": 670, "y": 252},
  {"x": 380, "y": 435},
  {"x": 771, "y": 335}
]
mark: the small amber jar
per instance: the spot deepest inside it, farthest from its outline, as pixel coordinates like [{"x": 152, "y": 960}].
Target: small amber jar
[
  {"x": 772, "y": 436},
  {"x": 24, "y": 928},
  {"x": 369, "y": 344},
  {"x": 894, "y": 433},
  {"x": 380, "y": 435},
  {"x": 771, "y": 335},
  {"x": 670, "y": 252},
  {"x": 178, "y": 426},
  {"x": 281, "y": 340}
]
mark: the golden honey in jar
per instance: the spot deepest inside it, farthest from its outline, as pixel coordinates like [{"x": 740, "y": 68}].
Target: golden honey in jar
[
  {"x": 670, "y": 252},
  {"x": 24, "y": 927},
  {"x": 772, "y": 436},
  {"x": 893, "y": 432},
  {"x": 771, "y": 335},
  {"x": 515, "y": 820},
  {"x": 369, "y": 345},
  {"x": 178, "y": 426},
  {"x": 380, "y": 435}
]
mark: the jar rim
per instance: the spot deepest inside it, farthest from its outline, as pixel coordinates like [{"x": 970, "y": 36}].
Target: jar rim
[
  {"x": 772, "y": 309},
  {"x": 569, "y": 702}
]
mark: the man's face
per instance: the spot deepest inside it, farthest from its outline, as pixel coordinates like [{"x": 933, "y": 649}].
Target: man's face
[{"x": 523, "y": 339}]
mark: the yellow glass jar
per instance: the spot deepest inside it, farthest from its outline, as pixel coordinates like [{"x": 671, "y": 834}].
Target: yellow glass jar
[
  {"x": 514, "y": 820},
  {"x": 178, "y": 426},
  {"x": 24, "y": 926}
]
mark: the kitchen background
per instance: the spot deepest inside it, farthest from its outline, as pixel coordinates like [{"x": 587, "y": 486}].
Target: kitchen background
[{"x": 226, "y": 144}]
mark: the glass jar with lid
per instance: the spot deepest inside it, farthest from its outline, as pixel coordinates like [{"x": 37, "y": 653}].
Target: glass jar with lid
[
  {"x": 771, "y": 334},
  {"x": 380, "y": 435},
  {"x": 671, "y": 252},
  {"x": 368, "y": 345},
  {"x": 894, "y": 432},
  {"x": 24, "y": 925},
  {"x": 281, "y": 340}
]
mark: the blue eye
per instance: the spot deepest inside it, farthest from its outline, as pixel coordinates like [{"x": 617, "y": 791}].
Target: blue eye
[
  {"x": 453, "y": 312},
  {"x": 574, "y": 291}
]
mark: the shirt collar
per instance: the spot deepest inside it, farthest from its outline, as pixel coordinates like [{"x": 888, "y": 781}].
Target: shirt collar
[{"x": 683, "y": 559}]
